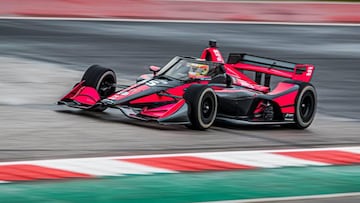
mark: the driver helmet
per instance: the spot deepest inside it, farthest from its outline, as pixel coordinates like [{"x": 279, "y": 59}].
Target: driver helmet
[{"x": 197, "y": 70}]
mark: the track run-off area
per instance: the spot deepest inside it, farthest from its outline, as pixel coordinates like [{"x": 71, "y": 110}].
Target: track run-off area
[{"x": 42, "y": 59}]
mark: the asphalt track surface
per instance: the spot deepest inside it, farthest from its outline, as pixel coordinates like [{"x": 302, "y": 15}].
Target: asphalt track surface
[{"x": 41, "y": 60}]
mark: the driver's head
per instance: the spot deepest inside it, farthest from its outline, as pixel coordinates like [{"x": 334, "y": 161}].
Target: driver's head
[{"x": 197, "y": 70}]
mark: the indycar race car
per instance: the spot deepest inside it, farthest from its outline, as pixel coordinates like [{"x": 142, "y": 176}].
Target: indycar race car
[{"x": 196, "y": 91}]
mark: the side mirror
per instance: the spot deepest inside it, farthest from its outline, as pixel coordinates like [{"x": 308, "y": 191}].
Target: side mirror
[
  {"x": 228, "y": 80},
  {"x": 154, "y": 69}
]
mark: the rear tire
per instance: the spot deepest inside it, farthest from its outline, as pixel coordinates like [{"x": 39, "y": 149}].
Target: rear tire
[
  {"x": 102, "y": 79},
  {"x": 305, "y": 106},
  {"x": 202, "y": 103}
]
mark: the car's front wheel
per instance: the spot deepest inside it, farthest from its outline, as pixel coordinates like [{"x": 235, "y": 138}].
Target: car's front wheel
[
  {"x": 102, "y": 79},
  {"x": 203, "y": 104}
]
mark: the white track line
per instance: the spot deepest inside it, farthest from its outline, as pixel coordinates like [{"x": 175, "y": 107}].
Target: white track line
[
  {"x": 262, "y": 160},
  {"x": 101, "y": 167},
  {"x": 178, "y": 21},
  {"x": 274, "y": 2},
  {"x": 355, "y": 149},
  {"x": 280, "y": 199}
]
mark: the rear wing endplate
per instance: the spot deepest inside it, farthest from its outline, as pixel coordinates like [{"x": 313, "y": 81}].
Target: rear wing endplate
[{"x": 294, "y": 71}]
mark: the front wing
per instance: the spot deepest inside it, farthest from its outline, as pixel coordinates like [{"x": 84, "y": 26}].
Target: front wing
[{"x": 177, "y": 114}]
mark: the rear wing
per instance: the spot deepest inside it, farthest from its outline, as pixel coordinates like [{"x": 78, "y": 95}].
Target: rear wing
[{"x": 268, "y": 66}]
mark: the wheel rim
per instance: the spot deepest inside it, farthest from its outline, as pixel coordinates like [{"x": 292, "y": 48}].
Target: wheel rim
[
  {"x": 106, "y": 86},
  {"x": 207, "y": 109},
  {"x": 307, "y": 106}
]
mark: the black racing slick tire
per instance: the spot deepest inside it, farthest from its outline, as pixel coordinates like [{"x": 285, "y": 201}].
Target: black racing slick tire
[
  {"x": 102, "y": 79},
  {"x": 203, "y": 104},
  {"x": 305, "y": 106}
]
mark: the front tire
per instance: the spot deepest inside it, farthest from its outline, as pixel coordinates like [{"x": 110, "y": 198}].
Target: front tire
[
  {"x": 305, "y": 107},
  {"x": 203, "y": 104},
  {"x": 102, "y": 79}
]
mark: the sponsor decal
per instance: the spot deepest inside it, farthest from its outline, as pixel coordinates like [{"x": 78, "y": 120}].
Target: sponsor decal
[
  {"x": 156, "y": 82},
  {"x": 218, "y": 55},
  {"x": 289, "y": 117},
  {"x": 309, "y": 71}
]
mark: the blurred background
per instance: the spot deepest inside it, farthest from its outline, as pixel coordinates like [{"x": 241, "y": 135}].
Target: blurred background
[{"x": 46, "y": 45}]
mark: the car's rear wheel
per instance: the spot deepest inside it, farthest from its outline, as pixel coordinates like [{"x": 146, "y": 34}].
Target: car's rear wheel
[
  {"x": 202, "y": 103},
  {"x": 102, "y": 79},
  {"x": 305, "y": 106}
]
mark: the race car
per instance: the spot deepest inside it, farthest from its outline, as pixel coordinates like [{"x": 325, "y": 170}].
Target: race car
[{"x": 197, "y": 91}]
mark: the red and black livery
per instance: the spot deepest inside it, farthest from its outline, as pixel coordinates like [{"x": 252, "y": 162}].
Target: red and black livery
[{"x": 197, "y": 91}]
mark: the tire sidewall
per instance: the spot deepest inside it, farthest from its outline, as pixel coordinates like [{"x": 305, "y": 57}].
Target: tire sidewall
[
  {"x": 103, "y": 76},
  {"x": 199, "y": 108},
  {"x": 95, "y": 75},
  {"x": 194, "y": 97},
  {"x": 298, "y": 118}
]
